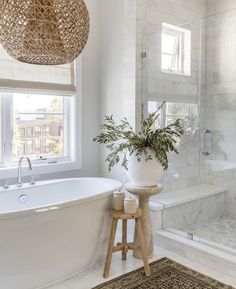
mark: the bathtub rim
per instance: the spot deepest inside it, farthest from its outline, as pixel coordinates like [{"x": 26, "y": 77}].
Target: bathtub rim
[{"x": 60, "y": 205}]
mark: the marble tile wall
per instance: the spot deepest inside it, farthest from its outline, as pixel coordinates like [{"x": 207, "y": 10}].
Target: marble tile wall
[
  {"x": 220, "y": 100},
  {"x": 154, "y": 85},
  {"x": 211, "y": 86},
  {"x": 231, "y": 204},
  {"x": 218, "y": 6}
]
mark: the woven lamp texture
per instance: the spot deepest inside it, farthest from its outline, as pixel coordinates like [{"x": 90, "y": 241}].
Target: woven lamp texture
[{"x": 46, "y": 32}]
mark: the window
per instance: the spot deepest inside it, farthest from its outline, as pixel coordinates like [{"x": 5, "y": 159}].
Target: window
[
  {"x": 37, "y": 130},
  {"x": 187, "y": 112},
  {"x": 37, "y": 116},
  {"x": 39, "y": 127},
  {"x": 176, "y": 49}
]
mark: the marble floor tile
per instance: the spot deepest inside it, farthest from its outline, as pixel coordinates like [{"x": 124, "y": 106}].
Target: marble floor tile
[
  {"x": 222, "y": 229},
  {"x": 59, "y": 286},
  {"x": 93, "y": 277},
  {"x": 228, "y": 280}
]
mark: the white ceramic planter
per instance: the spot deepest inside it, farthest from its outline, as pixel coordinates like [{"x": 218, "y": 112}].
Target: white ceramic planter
[{"x": 144, "y": 173}]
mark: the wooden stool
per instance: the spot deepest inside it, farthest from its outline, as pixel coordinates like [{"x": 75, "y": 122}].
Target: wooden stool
[{"x": 124, "y": 246}]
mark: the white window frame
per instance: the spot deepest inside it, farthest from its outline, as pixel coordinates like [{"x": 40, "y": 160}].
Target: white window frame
[
  {"x": 182, "y": 50},
  {"x": 53, "y": 165},
  {"x": 6, "y": 103}
]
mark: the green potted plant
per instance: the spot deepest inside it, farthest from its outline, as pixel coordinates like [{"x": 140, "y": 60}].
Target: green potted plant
[{"x": 143, "y": 154}]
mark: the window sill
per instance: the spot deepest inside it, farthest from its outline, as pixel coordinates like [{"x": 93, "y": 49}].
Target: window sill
[
  {"x": 40, "y": 169},
  {"x": 175, "y": 72}
]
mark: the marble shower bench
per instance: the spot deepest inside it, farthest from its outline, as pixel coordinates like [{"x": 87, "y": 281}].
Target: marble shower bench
[
  {"x": 180, "y": 208},
  {"x": 174, "y": 212}
]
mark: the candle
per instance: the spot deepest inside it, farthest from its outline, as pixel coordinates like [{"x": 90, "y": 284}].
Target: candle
[
  {"x": 130, "y": 206},
  {"x": 118, "y": 201}
]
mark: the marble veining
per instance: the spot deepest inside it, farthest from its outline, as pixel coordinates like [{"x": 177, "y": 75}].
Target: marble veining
[
  {"x": 222, "y": 229},
  {"x": 93, "y": 277},
  {"x": 194, "y": 212}
]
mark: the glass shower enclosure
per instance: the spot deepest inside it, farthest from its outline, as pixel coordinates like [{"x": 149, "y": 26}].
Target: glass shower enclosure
[{"x": 191, "y": 65}]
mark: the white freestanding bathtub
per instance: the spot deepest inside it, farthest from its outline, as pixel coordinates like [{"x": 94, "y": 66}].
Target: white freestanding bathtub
[{"x": 52, "y": 230}]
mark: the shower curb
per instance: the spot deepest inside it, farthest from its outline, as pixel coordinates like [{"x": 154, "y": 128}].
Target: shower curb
[{"x": 213, "y": 258}]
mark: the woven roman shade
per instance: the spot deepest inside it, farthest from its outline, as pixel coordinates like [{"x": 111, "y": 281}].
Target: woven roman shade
[
  {"x": 45, "y": 32},
  {"x": 48, "y": 79}
]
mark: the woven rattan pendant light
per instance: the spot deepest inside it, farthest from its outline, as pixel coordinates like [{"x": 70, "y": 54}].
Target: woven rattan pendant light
[{"x": 46, "y": 32}]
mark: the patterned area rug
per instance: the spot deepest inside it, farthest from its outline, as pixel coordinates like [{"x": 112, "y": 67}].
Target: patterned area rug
[{"x": 166, "y": 274}]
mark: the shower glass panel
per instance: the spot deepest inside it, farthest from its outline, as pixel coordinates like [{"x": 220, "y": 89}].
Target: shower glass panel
[
  {"x": 218, "y": 167},
  {"x": 191, "y": 65},
  {"x": 171, "y": 73}
]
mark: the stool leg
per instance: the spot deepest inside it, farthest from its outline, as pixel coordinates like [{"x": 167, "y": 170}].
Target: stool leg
[
  {"x": 124, "y": 239},
  {"x": 142, "y": 247},
  {"x": 109, "y": 250}
]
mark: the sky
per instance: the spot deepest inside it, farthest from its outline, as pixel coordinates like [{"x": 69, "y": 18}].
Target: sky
[{"x": 29, "y": 103}]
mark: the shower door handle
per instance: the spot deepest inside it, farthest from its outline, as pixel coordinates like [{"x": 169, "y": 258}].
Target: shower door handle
[{"x": 207, "y": 142}]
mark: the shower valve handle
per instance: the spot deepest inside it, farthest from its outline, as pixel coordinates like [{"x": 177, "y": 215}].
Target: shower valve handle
[{"x": 207, "y": 142}]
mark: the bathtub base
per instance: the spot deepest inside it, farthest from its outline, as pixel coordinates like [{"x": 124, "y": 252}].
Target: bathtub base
[{"x": 43, "y": 246}]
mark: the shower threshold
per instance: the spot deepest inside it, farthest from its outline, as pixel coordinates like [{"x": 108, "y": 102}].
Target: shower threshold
[{"x": 211, "y": 254}]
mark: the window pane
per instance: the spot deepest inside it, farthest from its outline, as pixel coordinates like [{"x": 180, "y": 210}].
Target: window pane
[
  {"x": 176, "y": 49},
  {"x": 168, "y": 43},
  {"x": 178, "y": 108},
  {"x": 153, "y": 107},
  {"x": 187, "y": 112},
  {"x": 38, "y": 126},
  {"x": 166, "y": 61},
  {"x": 34, "y": 103}
]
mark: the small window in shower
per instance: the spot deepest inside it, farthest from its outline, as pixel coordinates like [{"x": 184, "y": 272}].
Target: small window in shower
[
  {"x": 186, "y": 112},
  {"x": 176, "y": 50}
]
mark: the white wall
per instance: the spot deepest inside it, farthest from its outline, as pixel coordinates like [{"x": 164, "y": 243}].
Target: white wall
[
  {"x": 112, "y": 68},
  {"x": 104, "y": 68},
  {"x": 90, "y": 99},
  {"x": 90, "y": 102}
]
